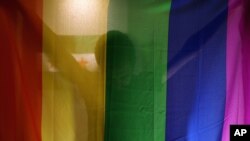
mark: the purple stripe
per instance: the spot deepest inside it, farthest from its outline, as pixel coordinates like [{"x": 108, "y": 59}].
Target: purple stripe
[{"x": 238, "y": 90}]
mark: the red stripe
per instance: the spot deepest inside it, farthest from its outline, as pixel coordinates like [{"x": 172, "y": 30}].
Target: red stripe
[{"x": 21, "y": 76}]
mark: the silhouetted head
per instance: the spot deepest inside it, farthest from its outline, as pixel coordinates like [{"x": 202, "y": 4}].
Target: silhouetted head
[{"x": 120, "y": 55}]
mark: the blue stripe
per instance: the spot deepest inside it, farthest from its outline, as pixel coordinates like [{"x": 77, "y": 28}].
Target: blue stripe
[{"x": 196, "y": 70}]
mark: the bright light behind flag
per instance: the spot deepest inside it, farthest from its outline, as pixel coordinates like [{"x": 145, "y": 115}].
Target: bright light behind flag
[{"x": 76, "y": 17}]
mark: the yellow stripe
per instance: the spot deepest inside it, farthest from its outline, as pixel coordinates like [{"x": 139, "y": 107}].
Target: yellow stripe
[{"x": 73, "y": 80}]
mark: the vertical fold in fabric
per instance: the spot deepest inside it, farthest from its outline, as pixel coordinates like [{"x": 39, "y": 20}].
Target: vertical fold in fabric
[
  {"x": 74, "y": 37},
  {"x": 245, "y": 34},
  {"x": 238, "y": 74},
  {"x": 20, "y": 73},
  {"x": 136, "y": 70},
  {"x": 196, "y": 70}
]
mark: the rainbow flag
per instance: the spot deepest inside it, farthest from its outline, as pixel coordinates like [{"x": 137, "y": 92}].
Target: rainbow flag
[{"x": 123, "y": 70}]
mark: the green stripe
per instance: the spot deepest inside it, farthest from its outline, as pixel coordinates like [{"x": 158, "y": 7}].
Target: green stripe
[{"x": 136, "y": 98}]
